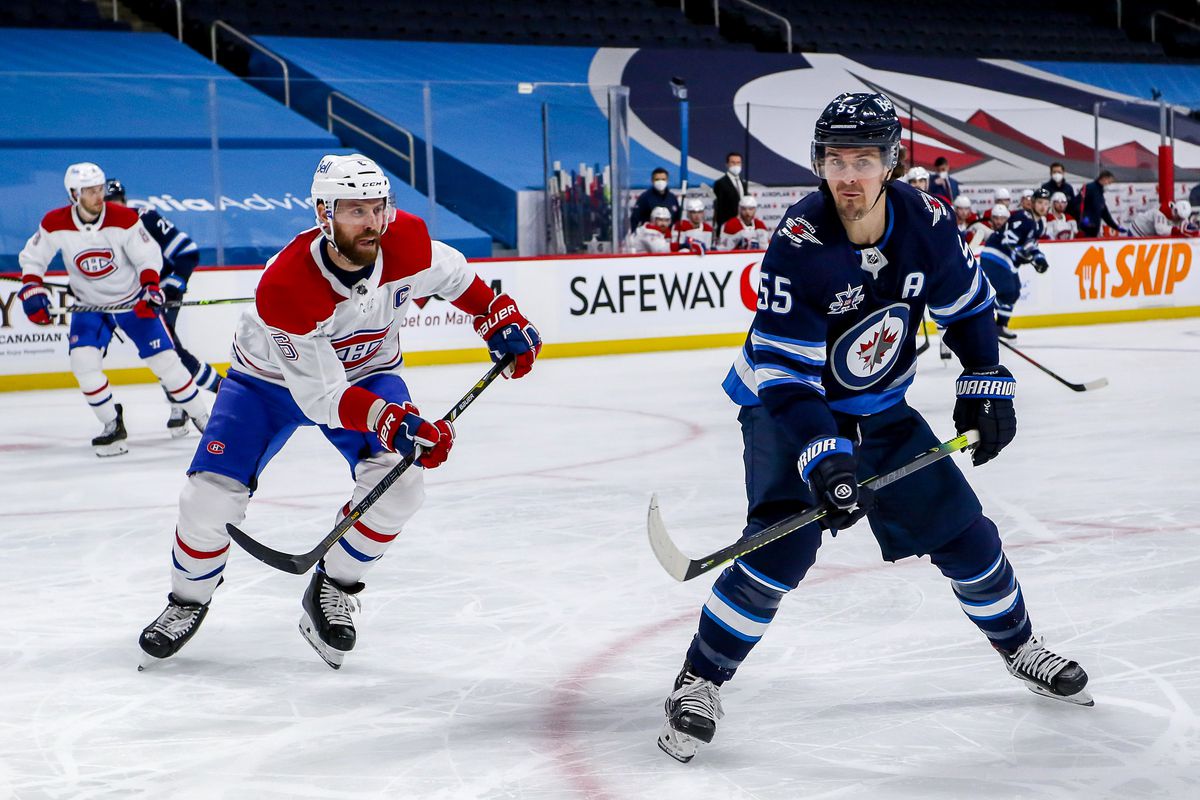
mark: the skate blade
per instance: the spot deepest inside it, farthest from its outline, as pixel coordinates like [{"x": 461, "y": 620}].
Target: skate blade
[
  {"x": 1081, "y": 698},
  {"x": 145, "y": 660},
  {"x": 110, "y": 450},
  {"x": 678, "y": 746},
  {"x": 178, "y": 431},
  {"x": 329, "y": 655}
]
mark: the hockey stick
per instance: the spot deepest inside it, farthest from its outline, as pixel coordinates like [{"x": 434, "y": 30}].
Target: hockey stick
[
  {"x": 168, "y": 304},
  {"x": 1099, "y": 383},
  {"x": 682, "y": 568},
  {"x": 303, "y": 562},
  {"x": 924, "y": 345}
]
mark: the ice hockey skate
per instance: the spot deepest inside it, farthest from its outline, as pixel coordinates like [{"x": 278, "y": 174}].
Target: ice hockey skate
[
  {"x": 173, "y": 628},
  {"x": 111, "y": 442},
  {"x": 1047, "y": 673},
  {"x": 326, "y": 622},
  {"x": 200, "y": 422},
  {"x": 177, "y": 423},
  {"x": 693, "y": 708},
  {"x": 1003, "y": 332}
]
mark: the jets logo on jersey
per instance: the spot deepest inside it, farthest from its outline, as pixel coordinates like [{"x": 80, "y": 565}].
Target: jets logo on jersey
[
  {"x": 360, "y": 347},
  {"x": 863, "y": 355},
  {"x": 847, "y": 300},
  {"x": 935, "y": 209},
  {"x": 95, "y": 263},
  {"x": 799, "y": 230}
]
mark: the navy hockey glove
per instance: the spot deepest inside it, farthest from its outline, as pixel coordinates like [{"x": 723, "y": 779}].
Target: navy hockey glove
[
  {"x": 401, "y": 428},
  {"x": 985, "y": 402},
  {"x": 173, "y": 288},
  {"x": 1039, "y": 262},
  {"x": 506, "y": 332},
  {"x": 35, "y": 300},
  {"x": 151, "y": 298},
  {"x": 829, "y": 465}
]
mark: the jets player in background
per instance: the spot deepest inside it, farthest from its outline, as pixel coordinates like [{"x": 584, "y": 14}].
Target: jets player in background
[
  {"x": 1010, "y": 247},
  {"x": 821, "y": 382},
  {"x": 1153, "y": 222},
  {"x": 110, "y": 260},
  {"x": 745, "y": 231},
  {"x": 321, "y": 346},
  {"x": 692, "y": 232},
  {"x": 180, "y": 256},
  {"x": 653, "y": 236}
]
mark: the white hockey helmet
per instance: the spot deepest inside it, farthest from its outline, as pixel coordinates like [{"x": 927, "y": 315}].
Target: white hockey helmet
[
  {"x": 694, "y": 204},
  {"x": 1026, "y": 193},
  {"x": 1001, "y": 211},
  {"x": 917, "y": 174},
  {"x": 962, "y": 201},
  {"x": 352, "y": 177},
  {"x": 80, "y": 176},
  {"x": 1058, "y": 197},
  {"x": 1182, "y": 209},
  {"x": 660, "y": 212},
  {"x": 1002, "y": 194},
  {"x": 748, "y": 201}
]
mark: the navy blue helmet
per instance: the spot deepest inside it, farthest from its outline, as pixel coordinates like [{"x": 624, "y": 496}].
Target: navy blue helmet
[
  {"x": 114, "y": 190},
  {"x": 858, "y": 119}
]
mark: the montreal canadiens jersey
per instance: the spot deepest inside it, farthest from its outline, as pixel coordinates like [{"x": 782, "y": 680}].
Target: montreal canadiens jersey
[
  {"x": 104, "y": 259},
  {"x": 839, "y": 321},
  {"x": 311, "y": 334}
]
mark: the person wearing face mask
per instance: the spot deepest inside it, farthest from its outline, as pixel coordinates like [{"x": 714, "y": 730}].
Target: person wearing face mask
[
  {"x": 729, "y": 189},
  {"x": 657, "y": 196},
  {"x": 1058, "y": 181},
  {"x": 941, "y": 185}
]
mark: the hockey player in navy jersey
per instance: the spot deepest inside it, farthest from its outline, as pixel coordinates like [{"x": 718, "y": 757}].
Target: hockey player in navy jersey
[
  {"x": 321, "y": 346},
  {"x": 180, "y": 256},
  {"x": 821, "y": 381},
  {"x": 1010, "y": 247}
]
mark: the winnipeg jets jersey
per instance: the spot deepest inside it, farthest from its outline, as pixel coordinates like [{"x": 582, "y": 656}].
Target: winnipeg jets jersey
[
  {"x": 1016, "y": 242},
  {"x": 311, "y": 334},
  {"x": 104, "y": 259},
  {"x": 838, "y": 322}
]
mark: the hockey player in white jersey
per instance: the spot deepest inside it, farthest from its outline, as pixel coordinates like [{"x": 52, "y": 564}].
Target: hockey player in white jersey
[
  {"x": 654, "y": 235},
  {"x": 110, "y": 260},
  {"x": 1153, "y": 222},
  {"x": 745, "y": 231},
  {"x": 321, "y": 346}
]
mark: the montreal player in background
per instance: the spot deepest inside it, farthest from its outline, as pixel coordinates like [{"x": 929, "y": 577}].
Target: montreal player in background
[
  {"x": 321, "y": 346},
  {"x": 821, "y": 381},
  {"x": 111, "y": 260}
]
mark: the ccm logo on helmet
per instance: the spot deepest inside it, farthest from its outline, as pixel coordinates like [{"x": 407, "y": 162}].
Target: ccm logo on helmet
[
  {"x": 95, "y": 263},
  {"x": 216, "y": 448}
]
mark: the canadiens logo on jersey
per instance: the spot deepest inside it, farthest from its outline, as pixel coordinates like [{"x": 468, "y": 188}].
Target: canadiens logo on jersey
[
  {"x": 361, "y": 346},
  {"x": 864, "y": 354},
  {"x": 95, "y": 263}
]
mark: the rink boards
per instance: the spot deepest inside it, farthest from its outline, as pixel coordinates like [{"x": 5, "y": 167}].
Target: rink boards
[{"x": 614, "y": 304}]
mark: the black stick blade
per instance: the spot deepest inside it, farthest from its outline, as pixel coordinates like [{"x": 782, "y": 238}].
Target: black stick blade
[{"x": 285, "y": 562}]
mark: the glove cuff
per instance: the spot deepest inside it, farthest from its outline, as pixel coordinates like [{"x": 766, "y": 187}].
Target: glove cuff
[
  {"x": 993, "y": 383},
  {"x": 820, "y": 448},
  {"x": 149, "y": 277}
]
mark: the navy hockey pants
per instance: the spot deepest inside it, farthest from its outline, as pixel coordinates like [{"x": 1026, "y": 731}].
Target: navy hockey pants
[
  {"x": 1007, "y": 283},
  {"x": 933, "y": 512}
]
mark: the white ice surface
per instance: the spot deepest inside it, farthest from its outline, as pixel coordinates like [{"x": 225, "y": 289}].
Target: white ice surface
[{"x": 519, "y": 638}]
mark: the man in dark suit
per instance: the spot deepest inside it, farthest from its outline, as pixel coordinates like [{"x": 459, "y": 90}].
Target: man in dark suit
[{"x": 729, "y": 190}]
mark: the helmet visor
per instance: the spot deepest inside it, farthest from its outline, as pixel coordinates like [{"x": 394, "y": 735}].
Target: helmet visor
[{"x": 846, "y": 161}]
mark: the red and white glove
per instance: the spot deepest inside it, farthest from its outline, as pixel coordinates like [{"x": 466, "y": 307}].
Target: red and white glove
[
  {"x": 401, "y": 429},
  {"x": 35, "y": 300},
  {"x": 151, "y": 299},
  {"x": 507, "y": 332}
]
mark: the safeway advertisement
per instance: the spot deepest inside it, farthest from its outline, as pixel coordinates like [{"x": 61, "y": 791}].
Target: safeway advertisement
[{"x": 618, "y": 299}]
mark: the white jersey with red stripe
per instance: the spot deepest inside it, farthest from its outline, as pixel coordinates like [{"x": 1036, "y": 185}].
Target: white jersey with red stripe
[
  {"x": 684, "y": 230},
  {"x": 104, "y": 259},
  {"x": 738, "y": 235},
  {"x": 311, "y": 334},
  {"x": 1060, "y": 226},
  {"x": 649, "y": 239}
]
